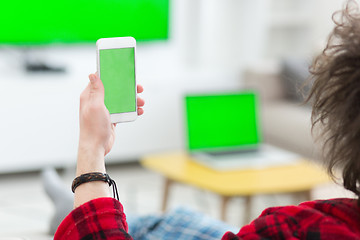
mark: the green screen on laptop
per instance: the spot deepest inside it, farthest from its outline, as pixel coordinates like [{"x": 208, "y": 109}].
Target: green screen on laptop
[{"x": 222, "y": 121}]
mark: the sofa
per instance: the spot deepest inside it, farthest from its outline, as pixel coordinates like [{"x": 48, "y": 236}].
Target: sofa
[{"x": 285, "y": 119}]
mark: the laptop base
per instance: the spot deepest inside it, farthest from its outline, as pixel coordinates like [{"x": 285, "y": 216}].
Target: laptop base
[{"x": 265, "y": 156}]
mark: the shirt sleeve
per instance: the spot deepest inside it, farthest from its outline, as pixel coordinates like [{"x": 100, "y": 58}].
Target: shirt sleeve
[
  {"x": 101, "y": 218},
  {"x": 322, "y": 219},
  {"x": 271, "y": 224}
]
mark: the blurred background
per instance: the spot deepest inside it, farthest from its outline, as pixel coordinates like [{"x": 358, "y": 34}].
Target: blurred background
[
  {"x": 47, "y": 50},
  {"x": 183, "y": 46}
]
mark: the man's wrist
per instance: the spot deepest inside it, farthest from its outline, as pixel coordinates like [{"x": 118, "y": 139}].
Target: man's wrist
[{"x": 90, "y": 159}]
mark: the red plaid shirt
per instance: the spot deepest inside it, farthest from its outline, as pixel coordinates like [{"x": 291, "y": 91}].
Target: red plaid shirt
[{"x": 336, "y": 219}]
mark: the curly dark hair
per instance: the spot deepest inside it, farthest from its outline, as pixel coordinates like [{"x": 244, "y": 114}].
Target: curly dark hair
[{"x": 335, "y": 97}]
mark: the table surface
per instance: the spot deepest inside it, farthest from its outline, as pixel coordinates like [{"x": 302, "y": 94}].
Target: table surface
[{"x": 179, "y": 166}]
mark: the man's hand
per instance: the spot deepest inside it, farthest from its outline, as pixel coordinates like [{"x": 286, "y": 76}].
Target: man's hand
[
  {"x": 96, "y": 131},
  {"x": 97, "y": 136}
]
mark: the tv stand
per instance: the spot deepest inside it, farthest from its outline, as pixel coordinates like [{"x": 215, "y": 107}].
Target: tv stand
[
  {"x": 41, "y": 60},
  {"x": 38, "y": 67}
]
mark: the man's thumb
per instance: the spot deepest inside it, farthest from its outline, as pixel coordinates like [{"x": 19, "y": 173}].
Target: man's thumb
[{"x": 96, "y": 85}]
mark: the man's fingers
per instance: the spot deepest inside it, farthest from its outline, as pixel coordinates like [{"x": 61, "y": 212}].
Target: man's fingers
[
  {"x": 95, "y": 89},
  {"x": 140, "y": 88},
  {"x": 140, "y": 111},
  {"x": 140, "y": 102},
  {"x": 96, "y": 86}
]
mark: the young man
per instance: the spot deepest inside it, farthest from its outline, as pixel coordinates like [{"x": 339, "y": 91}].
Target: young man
[{"x": 336, "y": 109}]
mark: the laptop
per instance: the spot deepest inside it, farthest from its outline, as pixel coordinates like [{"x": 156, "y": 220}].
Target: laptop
[{"x": 223, "y": 132}]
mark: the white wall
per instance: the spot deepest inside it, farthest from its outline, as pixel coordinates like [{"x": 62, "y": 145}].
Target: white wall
[{"x": 324, "y": 24}]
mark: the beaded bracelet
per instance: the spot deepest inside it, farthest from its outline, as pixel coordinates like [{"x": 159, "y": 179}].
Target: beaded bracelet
[{"x": 95, "y": 176}]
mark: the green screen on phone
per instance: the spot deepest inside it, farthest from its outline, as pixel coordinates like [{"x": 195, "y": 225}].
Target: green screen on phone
[{"x": 117, "y": 72}]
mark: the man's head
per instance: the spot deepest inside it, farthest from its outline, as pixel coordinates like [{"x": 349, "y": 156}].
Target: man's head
[{"x": 336, "y": 96}]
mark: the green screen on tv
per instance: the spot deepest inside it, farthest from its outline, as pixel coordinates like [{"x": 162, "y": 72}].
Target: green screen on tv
[{"x": 39, "y": 22}]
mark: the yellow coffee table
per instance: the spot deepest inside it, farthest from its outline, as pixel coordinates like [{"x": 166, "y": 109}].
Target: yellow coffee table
[{"x": 300, "y": 178}]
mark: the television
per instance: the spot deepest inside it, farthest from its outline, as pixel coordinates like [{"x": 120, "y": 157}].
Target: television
[{"x": 44, "y": 22}]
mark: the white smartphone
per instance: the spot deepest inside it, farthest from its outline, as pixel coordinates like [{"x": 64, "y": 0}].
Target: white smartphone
[{"x": 116, "y": 69}]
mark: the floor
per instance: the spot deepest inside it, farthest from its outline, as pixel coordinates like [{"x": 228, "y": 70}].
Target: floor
[{"x": 25, "y": 210}]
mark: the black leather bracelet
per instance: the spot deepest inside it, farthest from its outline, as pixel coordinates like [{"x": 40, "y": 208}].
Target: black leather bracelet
[{"x": 95, "y": 176}]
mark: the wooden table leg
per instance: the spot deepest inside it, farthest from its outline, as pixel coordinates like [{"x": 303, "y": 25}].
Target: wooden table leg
[
  {"x": 307, "y": 195},
  {"x": 302, "y": 196},
  {"x": 247, "y": 212},
  {"x": 167, "y": 185},
  {"x": 224, "y": 202}
]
